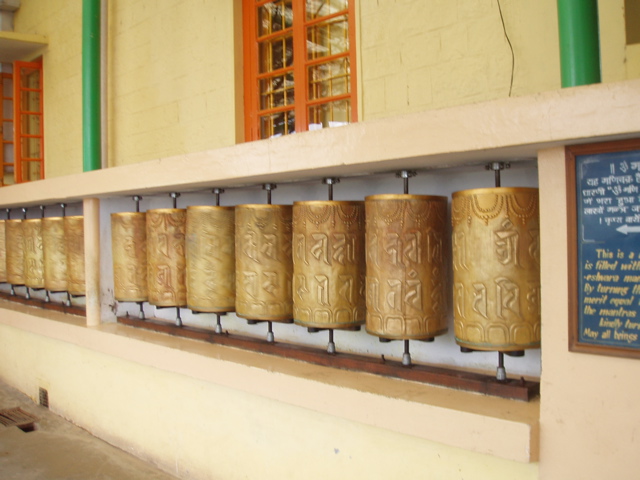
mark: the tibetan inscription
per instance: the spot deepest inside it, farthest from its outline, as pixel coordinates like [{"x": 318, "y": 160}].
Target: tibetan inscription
[{"x": 608, "y": 249}]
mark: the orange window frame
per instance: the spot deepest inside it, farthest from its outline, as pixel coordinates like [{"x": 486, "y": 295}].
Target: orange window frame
[
  {"x": 300, "y": 69},
  {"x": 20, "y": 114},
  {"x": 4, "y": 164}
]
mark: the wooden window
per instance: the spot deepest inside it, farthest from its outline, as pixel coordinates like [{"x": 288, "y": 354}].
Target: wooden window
[
  {"x": 299, "y": 66},
  {"x": 28, "y": 121}
]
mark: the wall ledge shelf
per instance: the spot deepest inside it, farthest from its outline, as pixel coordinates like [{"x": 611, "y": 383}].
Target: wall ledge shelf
[
  {"x": 20, "y": 46},
  {"x": 495, "y": 426},
  {"x": 512, "y": 129}
]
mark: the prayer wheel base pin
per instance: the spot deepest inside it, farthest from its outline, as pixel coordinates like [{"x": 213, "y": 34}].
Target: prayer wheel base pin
[{"x": 218, "y": 328}]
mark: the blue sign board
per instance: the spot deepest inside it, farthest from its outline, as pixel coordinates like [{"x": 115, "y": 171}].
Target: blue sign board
[{"x": 608, "y": 248}]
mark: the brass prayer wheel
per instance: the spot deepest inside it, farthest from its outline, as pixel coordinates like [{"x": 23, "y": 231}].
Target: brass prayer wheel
[
  {"x": 15, "y": 252},
  {"x": 55, "y": 254},
  {"x": 328, "y": 264},
  {"x": 210, "y": 255},
  {"x": 129, "y": 250},
  {"x": 74, "y": 240},
  {"x": 264, "y": 266},
  {"x": 406, "y": 266},
  {"x": 33, "y": 253},
  {"x": 166, "y": 264},
  {"x": 496, "y": 268},
  {"x": 3, "y": 253}
]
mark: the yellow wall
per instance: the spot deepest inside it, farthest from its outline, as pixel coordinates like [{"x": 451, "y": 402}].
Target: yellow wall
[
  {"x": 589, "y": 416},
  {"x": 172, "y": 78},
  {"x": 196, "y": 429},
  {"x": 419, "y": 55},
  {"x": 175, "y": 72},
  {"x": 62, "y": 64}
]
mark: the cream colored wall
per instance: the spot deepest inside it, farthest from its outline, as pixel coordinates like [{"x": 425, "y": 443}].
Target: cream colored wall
[
  {"x": 175, "y": 69},
  {"x": 62, "y": 63},
  {"x": 172, "y": 78},
  {"x": 426, "y": 54},
  {"x": 589, "y": 418},
  {"x": 196, "y": 429}
]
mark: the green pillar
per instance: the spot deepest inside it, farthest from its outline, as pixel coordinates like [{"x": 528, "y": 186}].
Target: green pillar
[
  {"x": 579, "y": 42},
  {"x": 91, "y": 131}
]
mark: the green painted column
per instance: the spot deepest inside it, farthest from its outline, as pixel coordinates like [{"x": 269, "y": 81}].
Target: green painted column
[
  {"x": 91, "y": 131},
  {"x": 579, "y": 42}
]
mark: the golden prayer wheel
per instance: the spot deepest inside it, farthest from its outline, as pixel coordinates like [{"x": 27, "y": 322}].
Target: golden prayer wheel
[
  {"x": 129, "y": 250},
  {"x": 15, "y": 252},
  {"x": 33, "y": 253},
  {"x": 264, "y": 266},
  {"x": 328, "y": 264},
  {"x": 496, "y": 268},
  {"x": 74, "y": 240},
  {"x": 3, "y": 253},
  {"x": 166, "y": 264},
  {"x": 55, "y": 254},
  {"x": 210, "y": 255},
  {"x": 406, "y": 266}
]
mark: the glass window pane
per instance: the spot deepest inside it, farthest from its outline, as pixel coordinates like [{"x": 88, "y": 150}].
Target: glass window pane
[
  {"x": 274, "y": 17},
  {"x": 30, "y": 101},
  {"x": 327, "y": 115},
  {"x": 277, "y": 124},
  {"x": 328, "y": 38},
  {"x": 7, "y": 131},
  {"x": 31, "y": 124},
  {"x": 329, "y": 79},
  {"x": 31, "y": 148},
  {"x": 31, "y": 171},
  {"x": 322, "y": 8},
  {"x": 276, "y": 91},
  {"x": 275, "y": 54},
  {"x": 30, "y": 78}
]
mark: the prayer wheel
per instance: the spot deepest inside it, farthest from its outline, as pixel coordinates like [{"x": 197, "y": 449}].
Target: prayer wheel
[
  {"x": 15, "y": 252},
  {"x": 166, "y": 264},
  {"x": 328, "y": 264},
  {"x": 264, "y": 266},
  {"x": 129, "y": 250},
  {"x": 210, "y": 255},
  {"x": 496, "y": 268},
  {"x": 74, "y": 240},
  {"x": 3, "y": 252},
  {"x": 33, "y": 253},
  {"x": 55, "y": 254},
  {"x": 406, "y": 266}
]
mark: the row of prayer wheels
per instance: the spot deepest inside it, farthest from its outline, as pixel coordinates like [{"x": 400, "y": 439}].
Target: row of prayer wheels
[
  {"x": 43, "y": 254},
  {"x": 383, "y": 262}
]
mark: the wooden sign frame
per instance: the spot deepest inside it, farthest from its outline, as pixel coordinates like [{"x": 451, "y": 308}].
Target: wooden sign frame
[{"x": 576, "y": 344}]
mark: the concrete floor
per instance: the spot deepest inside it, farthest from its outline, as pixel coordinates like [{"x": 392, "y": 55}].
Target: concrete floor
[{"x": 57, "y": 449}]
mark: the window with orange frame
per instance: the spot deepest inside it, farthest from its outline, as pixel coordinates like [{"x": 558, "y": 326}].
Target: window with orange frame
[
  {"x": 300, "y": 66},
  {"x": 28, "y": 121}
]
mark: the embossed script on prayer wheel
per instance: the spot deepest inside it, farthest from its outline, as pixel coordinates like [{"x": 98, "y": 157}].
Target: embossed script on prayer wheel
[
  {"x": 33, "y": 253},
  {"x": 3, "y": 253},
  {"x": 15, "y": 252},
  {"x": 129, "y": 250},
  {"x": 406, "y": 266},
  {"x": 328, "y": 264},
  {"x": 74, "y": 239},
  {"x": 166, "y": 264},
  {"x": 264, "y": 266},
  {"x": 210, "y": 252},
  {"x": 496, "y": 268},
  {"x": 55, "y": 254}
]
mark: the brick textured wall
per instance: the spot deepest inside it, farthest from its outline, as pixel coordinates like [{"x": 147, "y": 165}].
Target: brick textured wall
[{"x": 426, "y": 54}]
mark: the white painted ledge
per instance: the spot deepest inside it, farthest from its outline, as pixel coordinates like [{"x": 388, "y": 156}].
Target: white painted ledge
[
  {"x": 509, "y": 128},
  {"x": 503, "y": 428}
]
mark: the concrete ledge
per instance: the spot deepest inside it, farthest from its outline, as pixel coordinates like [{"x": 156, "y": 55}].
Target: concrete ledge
[{"x": 487, "y": 425}]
